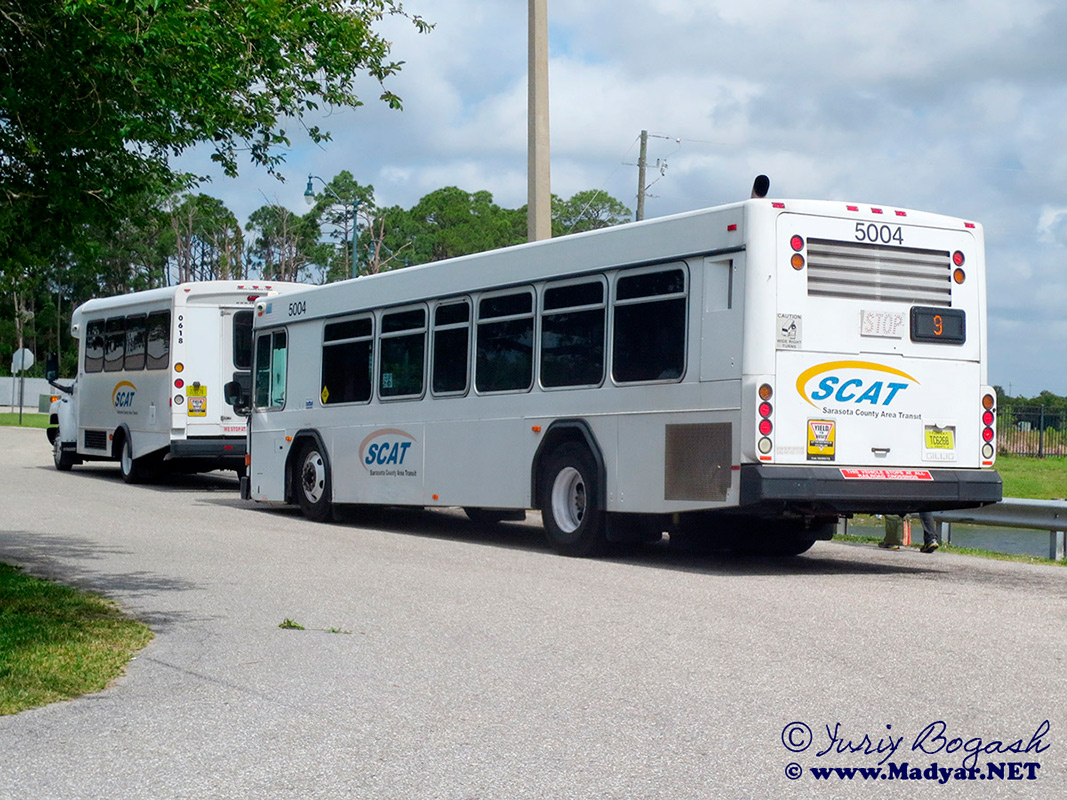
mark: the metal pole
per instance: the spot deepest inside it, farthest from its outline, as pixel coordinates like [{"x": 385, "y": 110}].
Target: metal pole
[{"x": 642, "y": 162}]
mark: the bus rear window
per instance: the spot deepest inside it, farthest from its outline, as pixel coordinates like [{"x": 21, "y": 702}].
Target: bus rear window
[{"x": 242, "y": 339}]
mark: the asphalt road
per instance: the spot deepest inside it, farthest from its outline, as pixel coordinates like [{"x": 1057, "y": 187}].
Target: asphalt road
[{"x": 474, "y": 663}]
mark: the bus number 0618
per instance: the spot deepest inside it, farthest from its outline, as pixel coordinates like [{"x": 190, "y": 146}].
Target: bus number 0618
[{"x": 885, "y": 234}]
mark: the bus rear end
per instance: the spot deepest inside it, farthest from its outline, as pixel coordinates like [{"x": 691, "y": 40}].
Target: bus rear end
[{"x": 866, "y": 335}]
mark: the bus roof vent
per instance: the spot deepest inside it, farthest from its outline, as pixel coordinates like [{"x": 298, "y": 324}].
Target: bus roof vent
[{"x": 861, "y": 271}]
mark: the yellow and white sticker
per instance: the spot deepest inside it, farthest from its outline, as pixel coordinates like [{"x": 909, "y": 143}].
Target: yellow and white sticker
[
  {"x": 196, "y": 400},
  {"x": 821, "y": 439}
]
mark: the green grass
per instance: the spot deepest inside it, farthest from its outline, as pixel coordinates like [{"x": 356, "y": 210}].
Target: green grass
[
  {"x": 28, "y": 420},
  {"x": 1034, "y": 478},
  {"x": 57, "y": 643}
]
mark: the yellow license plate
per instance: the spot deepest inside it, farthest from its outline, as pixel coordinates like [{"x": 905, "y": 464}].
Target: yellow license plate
[{"x": 940, "y": 440}]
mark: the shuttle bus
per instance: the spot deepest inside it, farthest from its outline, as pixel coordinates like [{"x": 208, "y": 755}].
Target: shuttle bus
[
  {"x": 151, "y": 369},
  {"x": 745, "y": 375}
]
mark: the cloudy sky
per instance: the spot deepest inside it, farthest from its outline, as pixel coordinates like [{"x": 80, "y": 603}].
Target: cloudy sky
[{"x": 953, "y": 106}]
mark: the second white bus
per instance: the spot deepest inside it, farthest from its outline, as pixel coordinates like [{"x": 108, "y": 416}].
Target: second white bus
[
  {"x": 747, "y": 374},
  {"x": 151, "y": 371}
]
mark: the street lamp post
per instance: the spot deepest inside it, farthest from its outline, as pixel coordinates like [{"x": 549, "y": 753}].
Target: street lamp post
[{"x": 309, "y": 198}]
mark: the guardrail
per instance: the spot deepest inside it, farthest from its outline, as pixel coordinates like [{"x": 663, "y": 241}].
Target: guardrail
[{"x": 1012, "y": 512}]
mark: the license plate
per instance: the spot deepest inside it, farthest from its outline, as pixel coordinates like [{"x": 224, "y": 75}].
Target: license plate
[{"x": 940, "y": 440}]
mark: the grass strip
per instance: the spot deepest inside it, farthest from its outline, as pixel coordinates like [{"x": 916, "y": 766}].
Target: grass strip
[
  {"x": 28, "y": 420},
  {"x": 57, "y": 643}
]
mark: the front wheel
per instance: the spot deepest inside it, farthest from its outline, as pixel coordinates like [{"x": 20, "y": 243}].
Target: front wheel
[
  {"x": 313, "y": 486},
  {"x": 63, "y": 459},
  {"x": 571, "y": 507}
]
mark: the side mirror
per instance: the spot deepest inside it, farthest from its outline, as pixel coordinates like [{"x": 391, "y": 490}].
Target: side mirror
[
  {"x": 51, "y": 367},
  {"x": 235, "y": 394}
]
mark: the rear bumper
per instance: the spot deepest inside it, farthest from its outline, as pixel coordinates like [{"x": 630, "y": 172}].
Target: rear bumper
[
  {"x": 221, "y": 449},
  {"x": 827, "y": 490}
]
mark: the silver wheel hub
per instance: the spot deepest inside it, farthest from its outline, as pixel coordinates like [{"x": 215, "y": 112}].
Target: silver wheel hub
[
  {"x": 568, "y": 499},
  {"x": 313, "y": 477}
]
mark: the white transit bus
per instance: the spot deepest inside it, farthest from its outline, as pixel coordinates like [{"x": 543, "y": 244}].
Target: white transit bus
[
  {"x": 151, "y": 371},
  {"x": 747, "y": 374}
]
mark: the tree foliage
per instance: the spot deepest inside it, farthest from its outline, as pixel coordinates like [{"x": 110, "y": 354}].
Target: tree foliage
[{"x": 97, "y": 95}]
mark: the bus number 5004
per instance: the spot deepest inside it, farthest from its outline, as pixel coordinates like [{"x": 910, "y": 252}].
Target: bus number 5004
[{"x": 885, "y": 234}]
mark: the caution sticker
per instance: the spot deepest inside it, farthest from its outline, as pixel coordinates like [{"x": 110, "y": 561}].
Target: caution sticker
[{"x": 821, "y": 434}]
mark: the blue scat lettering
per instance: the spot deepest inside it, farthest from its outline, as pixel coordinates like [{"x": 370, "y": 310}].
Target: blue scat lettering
[
  {"x": 872, "y": 394},
  {"x": 404, "y": 450},
  {"x": 826, "y": 388},
  {"x": 372, "y": 454},
  {"x": 841, "y": 396},
  {"x": 394, "y": 454},
  {"x": 893, "y": 389},
  {"x": 383, "y": 454}
]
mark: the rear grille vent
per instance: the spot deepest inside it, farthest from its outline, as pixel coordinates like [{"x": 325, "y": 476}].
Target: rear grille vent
[{"x": 875, "y": 272}]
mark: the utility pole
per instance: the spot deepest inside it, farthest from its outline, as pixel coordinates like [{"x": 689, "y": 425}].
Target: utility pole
[
  {"x": 539, "y": 193},
  {"x": 642, "y": 161}
]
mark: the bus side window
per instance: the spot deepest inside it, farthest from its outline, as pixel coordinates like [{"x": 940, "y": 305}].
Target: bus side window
[
  {"x": 650, "y": 323},
  {"x": 572, "y": 334},
  {"x": 403, "y": 353},
  {"x": 114, "y": 343},
  {"x": 504, "y": 359},
  {"x": 135, "y": 342},
  {"x": 271, "y": 363},
  {"x": 158, "y": 340},
  {"x": 347, "y": 347},
  {"x": 94, "y": 346},
  {"x": 451, "y": 348}
]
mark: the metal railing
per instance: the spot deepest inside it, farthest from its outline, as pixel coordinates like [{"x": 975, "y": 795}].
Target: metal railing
[{"x": 1012, "y": 512}]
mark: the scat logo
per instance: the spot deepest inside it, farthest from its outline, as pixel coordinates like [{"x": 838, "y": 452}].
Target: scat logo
[
  {"x": 122, "y": 395},
  {"x": 847, "y": 387},
  {"x": 385, "y": 447}
]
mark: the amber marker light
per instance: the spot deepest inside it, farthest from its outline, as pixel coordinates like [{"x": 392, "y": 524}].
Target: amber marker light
[
  {"x": 797, "y": 261},
  {"x": 958, "y": 275}
]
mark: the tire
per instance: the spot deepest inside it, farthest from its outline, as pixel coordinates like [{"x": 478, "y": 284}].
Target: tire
[
  {"x": 312, "y": 484},
  {"x": 132, "y": 469},
  {"x": 63, "y": 459},
  {"x": 571, "y": 506}
]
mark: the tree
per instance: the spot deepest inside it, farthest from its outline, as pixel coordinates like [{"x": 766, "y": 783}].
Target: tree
[
  {"x": 285, "y": 244},
  {"x": 587, "y": 211},
  {"x": 208, "y": 243},
  {"x": 447, "y": 223},
  {"x": 97, "y": 95},
  {"x": 340, "y": 206}
]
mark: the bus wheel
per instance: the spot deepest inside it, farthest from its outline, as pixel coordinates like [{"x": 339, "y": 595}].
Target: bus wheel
[
  {"x": 570, "y": 505},
  {"x": 313, "y": 487},
  {"x": 132, "y": 469},
  {"x": 63, "y": 459}
]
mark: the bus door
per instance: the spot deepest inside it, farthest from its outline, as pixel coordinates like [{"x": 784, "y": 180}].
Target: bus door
[
  {"x": 220, "y": 349},
  {"x": 877, "y": 336}
]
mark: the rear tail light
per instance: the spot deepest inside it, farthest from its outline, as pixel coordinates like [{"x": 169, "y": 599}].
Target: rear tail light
[
  {"x": 764, "y": 424},
  {"x": 989, "y": 431}
]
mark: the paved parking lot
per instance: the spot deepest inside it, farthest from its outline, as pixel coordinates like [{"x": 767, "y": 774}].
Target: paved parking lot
[{"x": 470, "y": 662}]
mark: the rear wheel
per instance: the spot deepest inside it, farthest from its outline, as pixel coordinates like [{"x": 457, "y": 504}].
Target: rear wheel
[
  {"x": 571, "y": 506},
  {"x": 312, "y": 484},
  {"x": 132, "y": 469}
]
